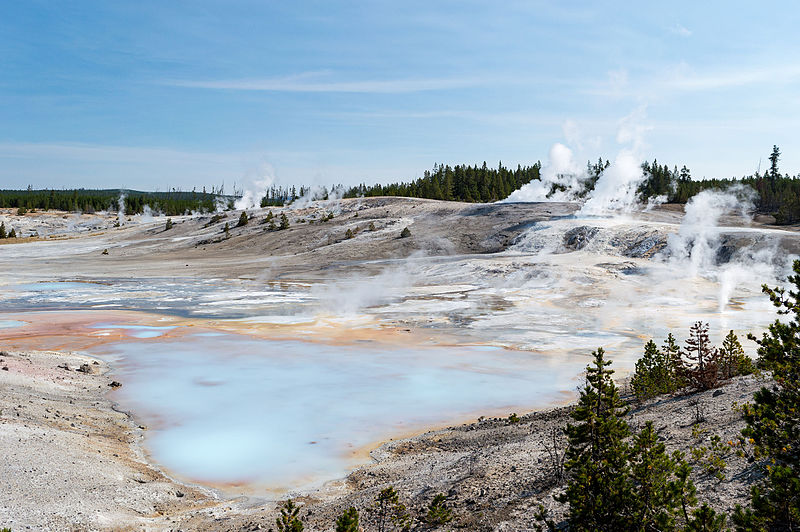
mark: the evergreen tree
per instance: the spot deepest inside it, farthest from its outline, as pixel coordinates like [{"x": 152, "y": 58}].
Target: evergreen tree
[
  {"x": 774, "y": 173},
  {"x": 3, "y": 230},
  {"x": 652, "y": 376},
  {"x": 659, "y": 489},
  {"x": 598, "y": 490},
  {"x": 348, "y": 521},
  {"x": 703, "y": 374},
  {"x": 243, "y": 219},
  {"x": 12, "y": 233},
  {"x": 284, "y": 221},
  {"x": 168, "y": 225},
  {"x": 773, "y": 420},
  {"x": 733, "y": 360},
  {"x": 438, "y": 512},
  {"x": 677, "y": 368},
  {"x": 289, "y": 520},
  {"x": 705, "y": 519},
  {"x": 405, "y": 233},
  {"x": 391, "y": 514}
]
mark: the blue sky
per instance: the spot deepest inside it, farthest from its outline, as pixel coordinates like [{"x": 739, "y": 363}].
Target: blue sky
[{"x": 153, "y": 95}]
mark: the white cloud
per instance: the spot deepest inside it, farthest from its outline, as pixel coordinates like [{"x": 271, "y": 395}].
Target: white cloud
[
  {"x": 679, "y": 29},
  {"x": 316, "y": 82}
]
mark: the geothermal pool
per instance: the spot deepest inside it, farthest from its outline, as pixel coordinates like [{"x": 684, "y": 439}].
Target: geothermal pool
[
  {"x": 255, "y": 385},
  {"x": 226, "y": 409}
]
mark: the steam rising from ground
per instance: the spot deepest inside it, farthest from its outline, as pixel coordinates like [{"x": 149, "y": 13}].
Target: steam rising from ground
[
  {"x": 121, "y": 208},
  {"x": 255, "y": 189},
  {"x": 562, "y": 179}
]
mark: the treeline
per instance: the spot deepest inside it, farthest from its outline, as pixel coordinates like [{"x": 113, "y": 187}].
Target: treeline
[
  {"x": 171, "y": 203},
  {"x": 457, "y": 183},
  {"x": 777, "y": 194}
]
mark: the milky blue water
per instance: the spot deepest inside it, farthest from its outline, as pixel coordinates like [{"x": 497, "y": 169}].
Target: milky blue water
[
  {"x": 287, "y": 414},
  {"x": 136, "y": 331},
  {"x": 9, "y": 324}
]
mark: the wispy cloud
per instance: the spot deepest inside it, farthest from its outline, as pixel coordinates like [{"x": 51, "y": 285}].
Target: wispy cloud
[
  {"x": 109, "y": 153},
  {"x": 679, "y": 29},
  {"x": 319, "y": 82},
  {"x": 684, "y": 79}
]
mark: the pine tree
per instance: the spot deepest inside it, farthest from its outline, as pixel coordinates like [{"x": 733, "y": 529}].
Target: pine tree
[
  {"x": 243, "y": 219},
  {"x": 12, "y": 233},
  {"x": 390, "y": 512},
  {"x": 703, "y": 374},
  {"x": 348, "y": 521},
  {"x": 289, "y": 520},
  {"x": 773, "y": 420},
  {"x": 3, "y": 230},
  {"x": 774, "y": 173},
  {"x": 659, "y": 488},
  {"x": 652, "y": 376},
  {"x": 438, "y": 512},
  {"x": 733, "y": 360},
  {"x": 349, "y": 234},
  {"x": 597, "y": 468},
  {"x": 168, "y": 225},
  {"x": 705, "y": 519},
  {"x": 405, "y": 233},
  {"x": 677, "y": 368},
  {"x": 284, "y": 221}
]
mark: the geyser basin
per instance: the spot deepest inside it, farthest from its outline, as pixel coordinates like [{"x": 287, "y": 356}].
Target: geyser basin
[{"x": 230, "y": 409}]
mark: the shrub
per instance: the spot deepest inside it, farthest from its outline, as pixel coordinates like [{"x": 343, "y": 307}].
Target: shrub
[
  {"x": 348, "y": 521},
  {"x": 513, "y": 418},
  {"x": 168, "y": 225},
  {"x": 438, "y": 512},
  {"x": 405, "y": 233},
  {"x": 289, "y": 520},
  {"x": 372, "y": 226},
  {"x": 21, "y": 211},
  {"x": 214, "y": 219},
  {"x": 349, "y": 234}
]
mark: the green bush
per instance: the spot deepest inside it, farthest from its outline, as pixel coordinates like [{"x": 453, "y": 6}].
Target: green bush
[
  {"x": 348, "y": 521},
  {"x": 289, "y": 520}
]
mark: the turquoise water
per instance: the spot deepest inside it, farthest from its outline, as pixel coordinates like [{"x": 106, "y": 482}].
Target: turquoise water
[
  {"x": 136, "y": 331},
  {"x": 9, "y": 324},
  {"x": 231, "y": 409}
]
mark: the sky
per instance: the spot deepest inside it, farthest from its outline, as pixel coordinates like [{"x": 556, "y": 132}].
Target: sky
[{"x": 154, "y": 95}]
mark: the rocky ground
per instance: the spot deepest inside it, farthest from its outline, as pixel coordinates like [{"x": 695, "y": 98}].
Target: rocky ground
[
  {"x": 496, "y": 473},
  {"x": 73, "y": 462},
  {"x": 70, "y": 459}
]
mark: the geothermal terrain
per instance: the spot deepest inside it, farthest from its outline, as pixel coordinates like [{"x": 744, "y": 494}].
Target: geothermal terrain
[{"x": 191, "y": 377}]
